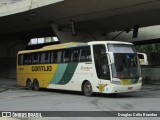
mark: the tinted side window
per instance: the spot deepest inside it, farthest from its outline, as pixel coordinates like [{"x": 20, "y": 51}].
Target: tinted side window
[
  {"x": 53, "y": 60},
  {"x": 99, "y": 50},
  {"x": 45, "y": 57},
  {"x": 35, "y": 58},
  {"x": 75, "y": 55},
  {"x": 67, "y": 55},
  {"x": 58, "y": 56},
  {"x": 20, "y": 59},
  {"x": 85, "y": 54},
  {"x": 27, "y": 59}
]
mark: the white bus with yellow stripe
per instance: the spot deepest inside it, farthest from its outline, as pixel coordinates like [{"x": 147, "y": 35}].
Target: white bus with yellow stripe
[{"x": 94, "y": 67}]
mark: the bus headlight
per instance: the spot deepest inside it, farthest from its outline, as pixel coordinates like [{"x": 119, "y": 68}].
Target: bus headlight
[{"x": 116, "y": 82}]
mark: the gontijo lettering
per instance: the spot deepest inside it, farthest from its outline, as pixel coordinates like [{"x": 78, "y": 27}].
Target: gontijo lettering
[{"x": 41, "y": 68}]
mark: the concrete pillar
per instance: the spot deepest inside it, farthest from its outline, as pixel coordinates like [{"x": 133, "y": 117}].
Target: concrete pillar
[{"x": 64, "y": 35}]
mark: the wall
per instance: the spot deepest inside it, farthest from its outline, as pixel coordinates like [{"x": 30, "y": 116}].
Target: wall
[
  {"x": 8, "y": 53},
  {"x": 151, "y": 74}
]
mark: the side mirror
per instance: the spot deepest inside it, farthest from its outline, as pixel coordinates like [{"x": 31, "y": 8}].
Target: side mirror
[
  {"x": 111, "y": 57},
  {"x": 142, "y": 58}
]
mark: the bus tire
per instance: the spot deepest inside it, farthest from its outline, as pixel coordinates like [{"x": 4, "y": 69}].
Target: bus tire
[
  {"x": 36, "y": 85},
  {"x": 29, "y": 84},
  {"x": 87, "y": 89},
  {"x": 113, "y": 94}
]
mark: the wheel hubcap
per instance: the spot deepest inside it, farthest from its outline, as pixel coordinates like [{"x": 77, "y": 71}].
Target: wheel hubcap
[{"x": 88, "y": 88}]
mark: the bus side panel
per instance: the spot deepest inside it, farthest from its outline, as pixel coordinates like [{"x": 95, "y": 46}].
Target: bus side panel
[
  {"x": 74, "y": 75},
  {"x": 63, "y": 75},
  {"x": 43, "y": 73}
]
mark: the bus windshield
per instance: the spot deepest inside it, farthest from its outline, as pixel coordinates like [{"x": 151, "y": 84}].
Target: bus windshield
[{"x": 126, "y": 64}]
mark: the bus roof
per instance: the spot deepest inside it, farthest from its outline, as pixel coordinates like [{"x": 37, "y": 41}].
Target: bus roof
[
  {"x": 110, "y": 42},
  {"x": 55, "y": 47},
  {"x": 71, "y": 44}
]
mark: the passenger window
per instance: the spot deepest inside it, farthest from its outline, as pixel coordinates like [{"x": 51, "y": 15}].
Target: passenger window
[
  {"x": 42, "y": 57},
  {"x": 20, "y": 59},
  {"x": 45, "y": 57},
  {"x": 67, "y": 55},
  {"x": 59, "y": 56},
  {"x": 85, "y": 54},
  {"x": 27, "y": 59},
  {"x": 75, "y": 55},
  {"x": 53, "y": 57},
  {"x": 35, "y": 58}
]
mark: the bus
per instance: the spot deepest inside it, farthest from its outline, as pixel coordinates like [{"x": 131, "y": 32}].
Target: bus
[{"x": 109, "y": 67}]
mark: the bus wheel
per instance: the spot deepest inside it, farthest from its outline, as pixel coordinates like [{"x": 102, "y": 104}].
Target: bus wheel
[
  {"x": 87, "y": 88},
  {"x": 113, "y": 94},
  {"x": 29, "y": 84},
  {"x": 36, "y": 85}
]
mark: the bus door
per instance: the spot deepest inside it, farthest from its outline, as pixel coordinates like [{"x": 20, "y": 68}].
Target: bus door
[
  {"x": 104, "y": 68},
  {"x": 101, "y": 63}
]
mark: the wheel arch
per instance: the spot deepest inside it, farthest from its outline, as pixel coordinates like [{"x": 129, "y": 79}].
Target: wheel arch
[{"x": 28, "y": 79}]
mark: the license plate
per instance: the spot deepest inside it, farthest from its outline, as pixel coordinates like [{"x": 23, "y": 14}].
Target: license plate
[
  {"x": 130, "y": 88},
  {"x": 125, "y": 82}
]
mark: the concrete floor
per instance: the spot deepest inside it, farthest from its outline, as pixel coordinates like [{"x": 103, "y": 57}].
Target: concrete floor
[{"x": 21, "y": 99}]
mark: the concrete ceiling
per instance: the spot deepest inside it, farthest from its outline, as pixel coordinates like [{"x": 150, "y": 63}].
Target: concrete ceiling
[{"x": 105, "y": 15}]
